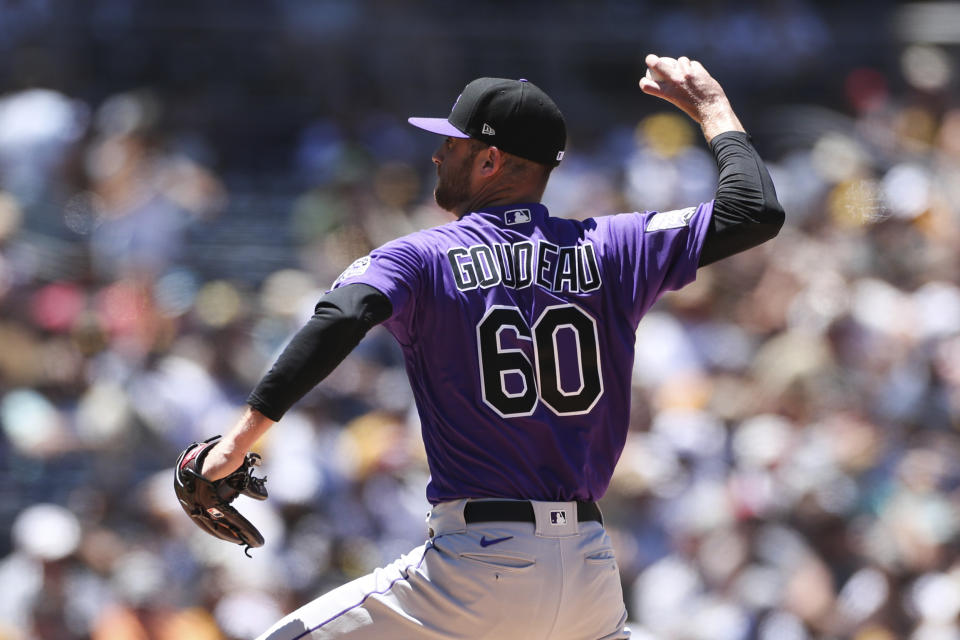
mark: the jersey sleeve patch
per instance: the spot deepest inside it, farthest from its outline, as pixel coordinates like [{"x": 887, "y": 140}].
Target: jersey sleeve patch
[
  {"x": 359, "y": 266},
  {"x": 670, "y": 219}
]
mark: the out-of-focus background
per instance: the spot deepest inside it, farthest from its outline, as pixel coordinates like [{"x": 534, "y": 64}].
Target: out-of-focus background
[{"x": 181, "y": 180}]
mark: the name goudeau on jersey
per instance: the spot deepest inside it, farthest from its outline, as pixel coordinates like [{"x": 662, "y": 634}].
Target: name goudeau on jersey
[{"x": 524, "y": 264}]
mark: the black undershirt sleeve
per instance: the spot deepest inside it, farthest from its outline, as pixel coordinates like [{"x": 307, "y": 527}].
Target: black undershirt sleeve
[
  {"x": 745, "y": 210},
  {"x": 341, "y": 318}
]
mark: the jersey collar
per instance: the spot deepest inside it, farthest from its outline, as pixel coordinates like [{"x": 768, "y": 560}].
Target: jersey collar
[{"x": 512, "y": 215}]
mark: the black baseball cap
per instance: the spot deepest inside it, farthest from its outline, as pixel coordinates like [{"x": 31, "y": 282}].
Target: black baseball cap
[{"x": 515, "y": 116}]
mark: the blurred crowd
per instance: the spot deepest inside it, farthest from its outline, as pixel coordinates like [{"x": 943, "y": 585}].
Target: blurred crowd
[{"x": 791, "y": 471}]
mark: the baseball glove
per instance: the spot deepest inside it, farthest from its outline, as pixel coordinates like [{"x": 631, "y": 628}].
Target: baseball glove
[{"x": 208, "y": 502}]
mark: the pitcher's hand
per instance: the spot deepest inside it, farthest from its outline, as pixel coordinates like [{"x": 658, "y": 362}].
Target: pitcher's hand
[{"x": 687, "y": 85}]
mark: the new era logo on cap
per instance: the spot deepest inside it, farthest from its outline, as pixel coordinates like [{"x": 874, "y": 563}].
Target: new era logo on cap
[{"x": 488, "y": 130}]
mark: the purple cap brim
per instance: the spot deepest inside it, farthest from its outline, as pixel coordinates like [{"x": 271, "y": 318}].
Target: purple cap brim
[{"x": 437, "y": 125}]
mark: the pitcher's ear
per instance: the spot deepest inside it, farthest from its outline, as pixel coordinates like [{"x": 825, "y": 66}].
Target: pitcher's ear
[{"x": 491, "y": 160}]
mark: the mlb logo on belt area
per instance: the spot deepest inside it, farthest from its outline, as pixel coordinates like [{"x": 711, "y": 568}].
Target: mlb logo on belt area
[{"x": 558, "y": 517}]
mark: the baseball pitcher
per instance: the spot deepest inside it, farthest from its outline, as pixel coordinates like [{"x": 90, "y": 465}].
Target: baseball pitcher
[{"x": 517, "y": 330}]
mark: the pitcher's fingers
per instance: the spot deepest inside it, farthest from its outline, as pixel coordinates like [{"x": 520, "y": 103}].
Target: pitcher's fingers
[
  {"x": 649, "y": 86},
  {"x": 665, "y": 66}
]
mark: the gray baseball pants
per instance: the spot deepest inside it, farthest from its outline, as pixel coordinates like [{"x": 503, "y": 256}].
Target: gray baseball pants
[{"x": 553, "y": 580}]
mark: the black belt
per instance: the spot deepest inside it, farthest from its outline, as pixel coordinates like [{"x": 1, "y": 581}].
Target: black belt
[{"x": 520, "y": 511}]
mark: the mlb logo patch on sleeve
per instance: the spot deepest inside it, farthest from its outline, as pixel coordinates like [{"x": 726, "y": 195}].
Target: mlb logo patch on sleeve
[
  {"x": 358, "y": 267},
  {"x": 670, "y": 219}
]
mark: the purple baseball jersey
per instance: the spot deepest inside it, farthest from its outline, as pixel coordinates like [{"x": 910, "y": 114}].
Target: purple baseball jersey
[{"x": 518, "y": 333}]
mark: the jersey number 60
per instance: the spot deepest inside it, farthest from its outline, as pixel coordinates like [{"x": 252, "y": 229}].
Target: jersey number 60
[{"x": 541, "y": 380}]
